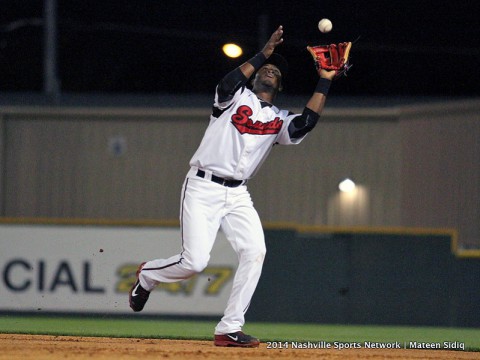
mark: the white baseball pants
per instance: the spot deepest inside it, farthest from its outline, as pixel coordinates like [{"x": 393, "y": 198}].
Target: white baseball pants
[{"x": 205, "y": 208}]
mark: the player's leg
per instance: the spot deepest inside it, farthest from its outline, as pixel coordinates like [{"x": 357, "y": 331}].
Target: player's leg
[
  {"x": 200, "y": 220},
  {"x": 244, "y": 231}
]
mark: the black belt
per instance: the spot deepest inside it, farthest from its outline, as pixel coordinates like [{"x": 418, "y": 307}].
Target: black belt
[{"x": 221, "y": 181}]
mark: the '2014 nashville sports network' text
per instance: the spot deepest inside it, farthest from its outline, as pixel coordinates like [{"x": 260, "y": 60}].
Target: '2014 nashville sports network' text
[{"x": 451, "y": 345}]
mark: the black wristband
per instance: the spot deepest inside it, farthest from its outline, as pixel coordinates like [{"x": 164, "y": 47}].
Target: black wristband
[
  {"x": 323, "y": 86},
  {"x": 257, "y": 60}
]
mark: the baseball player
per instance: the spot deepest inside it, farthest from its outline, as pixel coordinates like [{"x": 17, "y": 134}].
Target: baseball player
[{"x": 244, "y": 126}]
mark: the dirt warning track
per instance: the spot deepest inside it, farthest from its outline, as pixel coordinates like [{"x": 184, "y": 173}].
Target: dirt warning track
[{"x": 40, "y": 347}]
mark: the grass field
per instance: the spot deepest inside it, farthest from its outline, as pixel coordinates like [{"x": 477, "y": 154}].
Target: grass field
[{"x": 202, "y": 330}]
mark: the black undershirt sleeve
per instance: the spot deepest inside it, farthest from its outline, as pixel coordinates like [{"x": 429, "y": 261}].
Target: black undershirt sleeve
[
  {"x": 303, "y": 124},
  {"x": 229, "y": 84},
  {"x": 235, "y": 79}
]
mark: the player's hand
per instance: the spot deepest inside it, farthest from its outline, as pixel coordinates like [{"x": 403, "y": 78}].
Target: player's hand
[
  {"x": 275, "y": 40},
  {"x": 327, "y": 74}
]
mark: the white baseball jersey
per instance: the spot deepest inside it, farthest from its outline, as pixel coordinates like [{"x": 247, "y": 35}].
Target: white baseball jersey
[{"x": 241, "y": 134}]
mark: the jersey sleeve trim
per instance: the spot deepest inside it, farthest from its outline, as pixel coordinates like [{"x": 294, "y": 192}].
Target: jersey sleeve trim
[{"x": 303, "y": 124}]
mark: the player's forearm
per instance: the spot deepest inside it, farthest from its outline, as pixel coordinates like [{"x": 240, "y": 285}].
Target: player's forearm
[
  {"x": 250, "y": 66},
  {"x": 305, "y": 123},
  {"x": 239, "y": 76},
  {"x": 317, "y": 101}
]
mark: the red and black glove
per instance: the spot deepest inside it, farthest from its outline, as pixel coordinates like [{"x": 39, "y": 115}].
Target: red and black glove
[{"x": 332, "y": 57}]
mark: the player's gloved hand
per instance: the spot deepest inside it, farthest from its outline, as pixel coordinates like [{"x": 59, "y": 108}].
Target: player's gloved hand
[
  {"x": 334, "y": 57},
  {"x": 330, "y": 75}
]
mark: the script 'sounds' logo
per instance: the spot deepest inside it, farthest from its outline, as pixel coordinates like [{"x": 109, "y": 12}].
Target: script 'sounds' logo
[{"x": 245, "y": 125}]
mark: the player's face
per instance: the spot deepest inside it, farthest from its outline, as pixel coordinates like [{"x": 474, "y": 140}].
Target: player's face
[
  {"x": 269, "y": 75},
  {"x": 270, "y": 71}
]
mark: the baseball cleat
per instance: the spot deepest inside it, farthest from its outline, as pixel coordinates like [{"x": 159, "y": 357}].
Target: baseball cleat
[
  {"x": 238, "y": 339},
  {"x": 138, "y": 296}
]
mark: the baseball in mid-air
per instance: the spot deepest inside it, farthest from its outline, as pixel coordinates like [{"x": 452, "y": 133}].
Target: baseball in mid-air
[{"x": 325, "y": 26}]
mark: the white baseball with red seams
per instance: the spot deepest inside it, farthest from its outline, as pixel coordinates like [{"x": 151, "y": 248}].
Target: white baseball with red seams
[
  {"x": 325, "y": 25},
  {"x": 240, "y": 135}
]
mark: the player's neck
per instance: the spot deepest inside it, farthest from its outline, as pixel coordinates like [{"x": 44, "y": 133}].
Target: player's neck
[{"x": 266, "y": 96}]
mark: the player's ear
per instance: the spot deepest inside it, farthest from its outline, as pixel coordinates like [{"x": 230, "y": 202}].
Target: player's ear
[
  {"x": 280, "y": 86},
  {"x": 252, "y": 82}
]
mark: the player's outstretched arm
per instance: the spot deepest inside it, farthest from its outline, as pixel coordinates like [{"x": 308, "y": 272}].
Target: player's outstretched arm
[
  {"x": 317, "y": 101},
  {"x": 275, "y": 40},
  {"x": 305, "y": 122},
  {"x": 249, "y": 67},
  {"x": 240, "y": 75}
]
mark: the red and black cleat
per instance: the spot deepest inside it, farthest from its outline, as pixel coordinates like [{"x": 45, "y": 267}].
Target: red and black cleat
[{"x": 238, "y": 339}]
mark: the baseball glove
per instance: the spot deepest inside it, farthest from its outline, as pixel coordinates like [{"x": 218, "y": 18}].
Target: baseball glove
[{"x": 332, "y": 57}]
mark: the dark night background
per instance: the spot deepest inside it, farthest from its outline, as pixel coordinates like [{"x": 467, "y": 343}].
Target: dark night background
[{"x": 408, "y": 48}]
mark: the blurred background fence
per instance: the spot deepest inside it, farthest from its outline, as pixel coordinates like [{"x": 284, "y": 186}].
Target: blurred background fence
[{"x": 414, "y": 165}]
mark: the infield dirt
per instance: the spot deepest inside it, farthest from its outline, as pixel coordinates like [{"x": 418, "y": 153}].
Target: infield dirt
[{"x": 40, "y": 347}]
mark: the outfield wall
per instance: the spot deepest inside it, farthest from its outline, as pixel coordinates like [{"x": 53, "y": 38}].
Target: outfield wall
[
  {"x": 356, "y": 276},
  {"x": 370, "y": 277}
]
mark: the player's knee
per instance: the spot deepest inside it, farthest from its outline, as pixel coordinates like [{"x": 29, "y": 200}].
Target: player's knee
[
  {"x": 256, "y": 254},
  {"x": 198, "y": 264},
  {"x": 261, "y": 254},
  {"x": 199, "y": 267}
]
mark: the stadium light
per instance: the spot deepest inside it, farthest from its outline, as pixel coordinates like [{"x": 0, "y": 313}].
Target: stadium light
[
  {"x": 346, "y": 185},
  {"x": 232, "y": 50}
]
